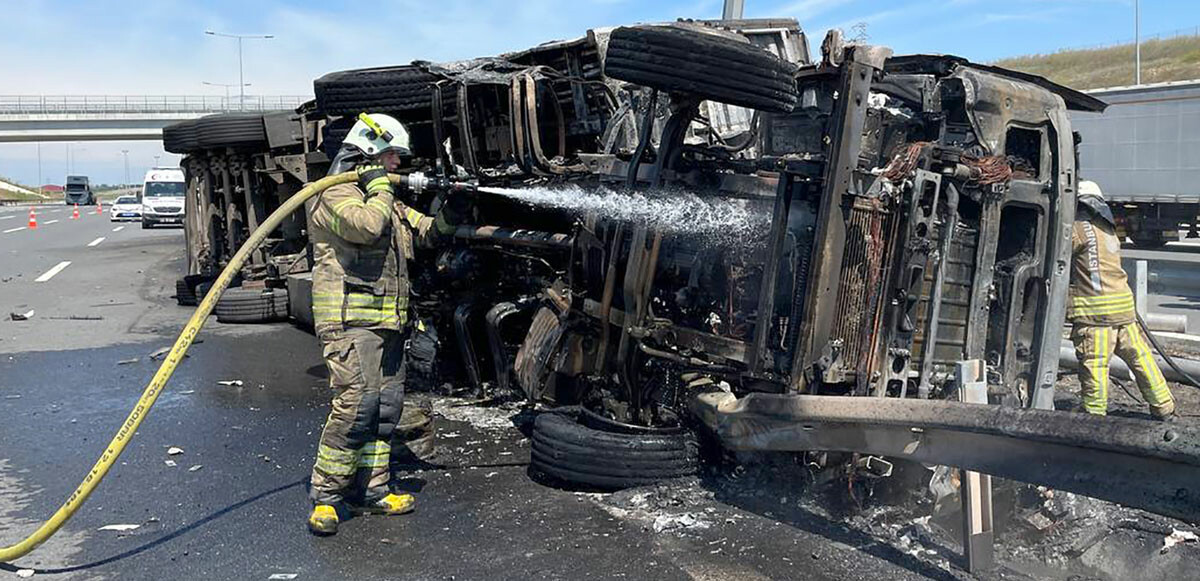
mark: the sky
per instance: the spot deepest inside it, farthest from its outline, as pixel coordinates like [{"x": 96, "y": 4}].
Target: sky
[{"x": 158, "y": 47}]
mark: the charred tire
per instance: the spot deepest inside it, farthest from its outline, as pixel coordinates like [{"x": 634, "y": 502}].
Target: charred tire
[
  {"x": 568, "y": 451},
  {"x": 716, "y": 68},
  {"x": 181, "y": 137},
  {"x": 240, "y": 130},
  {"x": 185, "y": 294},
  {"x": 240, "y": 305},
  {"x": 384, "y": 90},
  {"x": 333, "y": 134}
]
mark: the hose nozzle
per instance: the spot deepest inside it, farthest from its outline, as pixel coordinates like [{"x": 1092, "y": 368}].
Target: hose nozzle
[{"x": 419, "y": 182}]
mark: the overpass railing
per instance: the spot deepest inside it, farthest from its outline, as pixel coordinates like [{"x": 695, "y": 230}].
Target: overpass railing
[{"x": 102, "y": 104}]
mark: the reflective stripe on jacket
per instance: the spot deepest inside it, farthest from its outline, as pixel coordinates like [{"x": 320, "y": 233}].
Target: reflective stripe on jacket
[
  {"x": 1100, "y": 292},
  {"x": 360, "y": 247}
]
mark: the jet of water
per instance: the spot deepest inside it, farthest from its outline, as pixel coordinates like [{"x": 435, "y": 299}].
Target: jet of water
[{"x": 725, "y": 220}]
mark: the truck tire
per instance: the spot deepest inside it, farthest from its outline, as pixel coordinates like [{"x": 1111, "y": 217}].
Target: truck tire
[
  {"x": 181, "y": 137},
  {"x": 243, "y": 130},
  {"x": 566, "y": 450},
  {"x": 678, "y": 60},
  {"x": 394, "y": 89},
  {"x": 333, "y": 134},
  {"x": 185, "y": 295},
  {"x": 240, "y": 305}
]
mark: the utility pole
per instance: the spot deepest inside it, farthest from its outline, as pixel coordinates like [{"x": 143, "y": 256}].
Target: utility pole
[
  {"x": 1137, "y": 42},
  {"x": 241, "y": 76},
  {"x": 41, "y": 179},
  {"x": 125, "y": 154},
  {"x": 733, "y": 9},
  {"x": 226, "y": 85}
]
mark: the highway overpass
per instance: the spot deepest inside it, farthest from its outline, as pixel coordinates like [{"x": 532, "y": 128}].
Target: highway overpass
[{"x": 38, "y": 118}]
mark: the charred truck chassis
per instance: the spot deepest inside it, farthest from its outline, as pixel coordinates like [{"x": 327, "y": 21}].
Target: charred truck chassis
[{"x": 920, "y": 210}]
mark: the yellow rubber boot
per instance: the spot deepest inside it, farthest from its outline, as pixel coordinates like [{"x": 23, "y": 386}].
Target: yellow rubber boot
[
  {"x": 323, "y": 520},
  {"x": 390, "y": 505}
]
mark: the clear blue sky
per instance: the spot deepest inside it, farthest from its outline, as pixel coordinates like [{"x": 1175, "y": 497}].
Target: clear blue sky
[{"x": 158, "y": 47}]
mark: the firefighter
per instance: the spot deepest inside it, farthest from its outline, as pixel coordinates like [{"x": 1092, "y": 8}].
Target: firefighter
[
  {"x": 362, "y": 236},
  {"x": 1102, "y": 311}
]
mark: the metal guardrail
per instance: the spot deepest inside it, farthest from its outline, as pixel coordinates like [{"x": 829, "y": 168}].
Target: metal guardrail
[
  {"x": 1139, "y": 463},
  {"x": 101, "y": 104}
]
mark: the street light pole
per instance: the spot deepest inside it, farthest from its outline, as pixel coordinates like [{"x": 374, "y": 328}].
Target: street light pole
[
  {"x": 125, "y": 154},
  {"x": 1137, "y": 42},
  {"x": 241, "y": 75}
]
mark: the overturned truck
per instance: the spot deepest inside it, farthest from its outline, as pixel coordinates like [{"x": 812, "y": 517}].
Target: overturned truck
[{"x": 892, "y": 216}]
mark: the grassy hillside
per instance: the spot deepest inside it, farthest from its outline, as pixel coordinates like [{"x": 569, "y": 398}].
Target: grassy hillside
[
  {"x": 8, "y": 194},
  {"x": 1172, "y": 59}
]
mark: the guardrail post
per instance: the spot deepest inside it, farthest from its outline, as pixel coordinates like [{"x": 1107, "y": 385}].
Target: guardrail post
[
  {"x": 976, "y": 488},
  {"x": 1141, "y": 275}
]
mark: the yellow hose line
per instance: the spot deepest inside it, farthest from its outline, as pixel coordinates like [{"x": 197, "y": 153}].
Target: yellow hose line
[{"x": 154, "y": 389}]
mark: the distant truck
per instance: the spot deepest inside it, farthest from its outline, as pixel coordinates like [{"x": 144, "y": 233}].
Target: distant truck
[
  {"x": 163, "y": 192},
  {"x": 78, "y": 191},
  {"x": 1143, "y": 151}
]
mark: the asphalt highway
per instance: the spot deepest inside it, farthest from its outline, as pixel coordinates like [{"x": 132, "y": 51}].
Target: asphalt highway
[{"x": 232, "y": 504}]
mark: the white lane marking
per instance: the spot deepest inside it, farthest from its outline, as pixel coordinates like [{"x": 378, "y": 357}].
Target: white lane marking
[
  {"x": 6, "y": 217},
  {"x": 118, "y": 228},
  {"x": 14, "y": 229},
  {"x": 53, "y": 271},
  {"x": 96, "y": 241},
  {"x": 48, "y": 222}
]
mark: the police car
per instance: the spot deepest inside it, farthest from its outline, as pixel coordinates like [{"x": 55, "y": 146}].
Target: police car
[{"x": 125, "y": 208}]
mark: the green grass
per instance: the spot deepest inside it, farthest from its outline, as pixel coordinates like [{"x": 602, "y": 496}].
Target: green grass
[{"x": 1172, "y": 59}]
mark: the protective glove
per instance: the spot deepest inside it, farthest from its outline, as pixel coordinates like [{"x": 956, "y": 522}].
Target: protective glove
[
  {"x": 373, "y": 179},
  {"x": 456, "y": 208}
]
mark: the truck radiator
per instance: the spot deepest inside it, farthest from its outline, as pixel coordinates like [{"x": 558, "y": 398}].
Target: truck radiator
[
  {"x": 950, "y": 343},
  {"x": 869, "y": 239}
]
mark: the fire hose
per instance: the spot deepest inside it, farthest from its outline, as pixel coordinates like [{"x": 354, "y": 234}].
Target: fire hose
[{"x": 125, "y": 433}]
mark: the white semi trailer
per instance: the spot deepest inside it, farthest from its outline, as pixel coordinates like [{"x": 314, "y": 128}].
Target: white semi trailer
[{"x": 1144, "y": 151}]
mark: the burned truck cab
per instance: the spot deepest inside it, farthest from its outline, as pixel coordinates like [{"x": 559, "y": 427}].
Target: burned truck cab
[
  {"x": 942, "y": 196},
  {"x": 920, "y": 212}
]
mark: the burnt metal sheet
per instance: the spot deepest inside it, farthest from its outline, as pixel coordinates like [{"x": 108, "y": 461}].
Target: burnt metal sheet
[
  {"x": 945, "y": 64},
  {"x": 1140, "y": 463}
]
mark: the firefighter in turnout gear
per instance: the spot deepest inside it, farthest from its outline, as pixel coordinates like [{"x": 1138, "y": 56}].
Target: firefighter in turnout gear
[
  {"x": 1101, "y": 309},
  {"x": 362, "y": 237}
]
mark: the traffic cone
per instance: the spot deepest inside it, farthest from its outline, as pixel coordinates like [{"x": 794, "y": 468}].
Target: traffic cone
[
  {"x": 75, "y": 214},
  {"x": 32, "y": 220},
  {"x": 99, "y": 209}
]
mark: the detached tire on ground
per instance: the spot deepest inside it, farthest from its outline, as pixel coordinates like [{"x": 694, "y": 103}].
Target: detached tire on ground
[
  {"x": 717, "y": 68},
  {"x": 383, "y": 89},
  {"x": 569, "y": 451},
  {"x": 239, "y": 305}
]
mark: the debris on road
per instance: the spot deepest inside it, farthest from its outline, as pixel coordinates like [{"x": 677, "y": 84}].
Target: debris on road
[
  {"x": 78, "y": 318},
  {"x": 25, "y": 573},
  {"x": 128, "y": 361},
  {"x": 686, "y": 520},
  {"x": 174, "y": 451},
  {"x": 195, "y": 467},
  {"x": 119, "y": 528},
  {"x": 160, "y": 353},
  {"x": 231, "y": 382},
  {"x": 1177, "y": 537},
  {"x": 283, "y": 576},
  {"x": 22, "y": 316},
  {"x": 170, "y": 463}
]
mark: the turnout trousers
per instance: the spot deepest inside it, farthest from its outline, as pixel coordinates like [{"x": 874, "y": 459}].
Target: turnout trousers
[
  {"x": 1094, "y": 348},
  {"x": 366, "y": 372}
]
